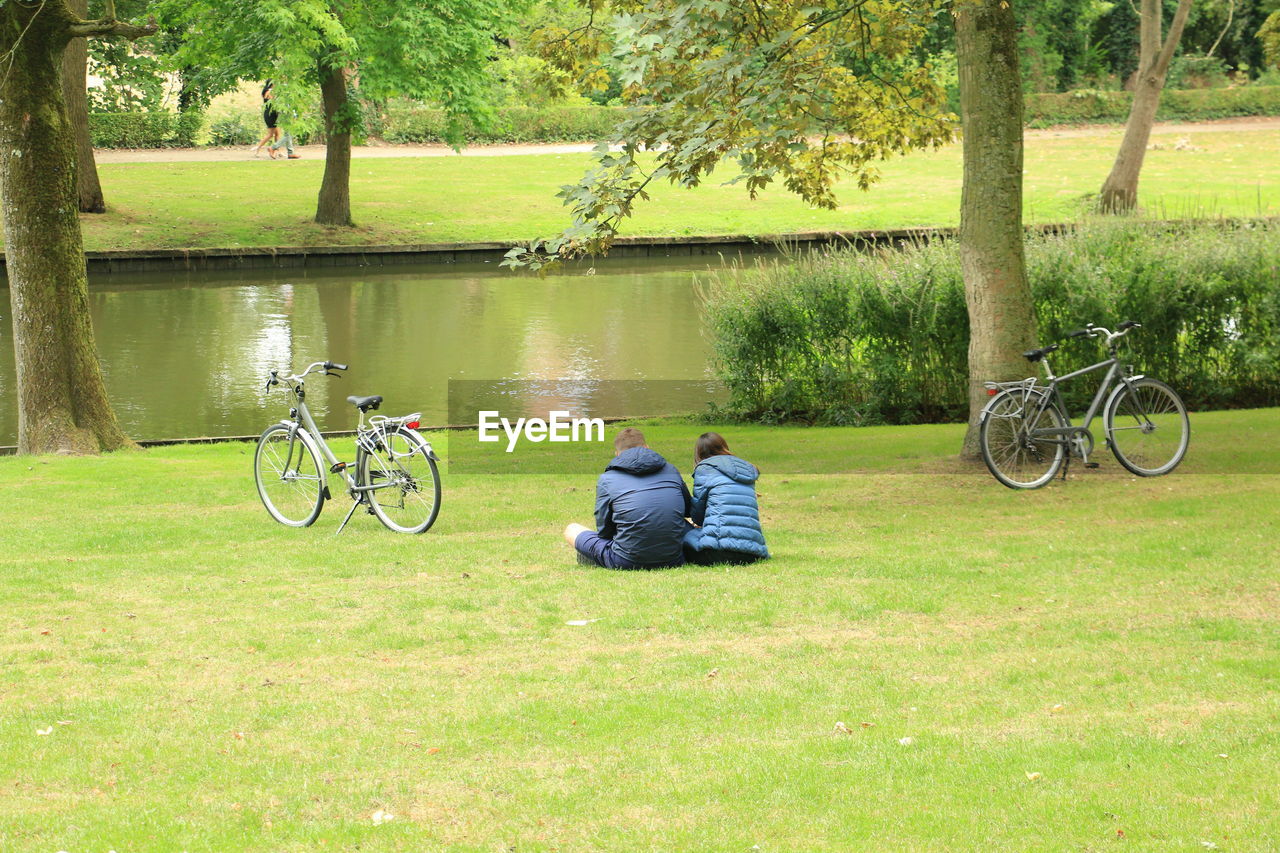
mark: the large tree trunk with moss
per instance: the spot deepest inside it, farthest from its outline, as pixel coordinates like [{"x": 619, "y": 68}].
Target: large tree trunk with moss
[
  {"x": 1002, "y": 321},
  {"x": 1120, "y": 190},
  {"x": 62, "y": 399},
  {"x": 75, "y": 61},
  {"x": 334, "y": 207}
]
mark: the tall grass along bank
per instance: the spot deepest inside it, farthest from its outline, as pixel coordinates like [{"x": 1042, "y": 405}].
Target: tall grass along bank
[{"x": 848, "y": 337}]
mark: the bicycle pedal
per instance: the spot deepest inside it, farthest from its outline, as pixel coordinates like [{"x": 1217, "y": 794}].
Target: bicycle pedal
[
  {"x": 1091, "y": 464},
  {"x": 337, "y": 467}
]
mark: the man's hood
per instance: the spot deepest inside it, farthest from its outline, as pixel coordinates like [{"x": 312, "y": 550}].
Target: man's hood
[
  {"x": 637, "y": 460},
  {"x": 736, "y": 469}
]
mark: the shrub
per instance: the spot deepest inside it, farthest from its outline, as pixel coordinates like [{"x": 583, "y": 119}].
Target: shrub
[
  {"x": 159, "y": 129},
  {"x": 881, "y": 337},
  {"x": 1094, "y": 105},
  {"x": 409, "y": 122}
]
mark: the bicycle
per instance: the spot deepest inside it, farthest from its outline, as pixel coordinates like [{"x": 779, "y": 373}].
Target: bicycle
[
  {"x": 1026, "y": 436},
  {"x": 395, "y": 473}
]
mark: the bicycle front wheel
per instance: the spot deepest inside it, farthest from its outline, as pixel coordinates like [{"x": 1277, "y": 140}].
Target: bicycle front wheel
[
  {"x": 1014, "y": 455},
  {"x": 288, "y": 474},
  {"x": 405, "y": 493},
  {"x": 1147, "y": 427}
]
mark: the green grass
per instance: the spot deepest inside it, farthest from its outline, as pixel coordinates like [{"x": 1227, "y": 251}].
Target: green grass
[
  {"x": 231, "y": 684},
  {"x": 404, "y": 200}
]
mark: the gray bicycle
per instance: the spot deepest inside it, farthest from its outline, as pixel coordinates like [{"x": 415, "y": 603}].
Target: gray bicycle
[
  {"x": 394, "y": 476},
  {"x": 1026, "y": 437}
]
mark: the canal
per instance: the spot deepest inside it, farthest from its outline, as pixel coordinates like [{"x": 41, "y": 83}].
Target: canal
[{"x": 188, "y": 356}]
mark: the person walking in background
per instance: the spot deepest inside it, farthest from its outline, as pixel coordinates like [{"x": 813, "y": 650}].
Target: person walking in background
[
  {"x": 724, "y": 507},
  {"x": 641, "y": 506},
  {"x": 271, "y": 119}
]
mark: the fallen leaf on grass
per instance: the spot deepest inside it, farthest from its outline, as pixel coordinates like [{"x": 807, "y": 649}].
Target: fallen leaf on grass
[
  {"x": 713, "y": 673},
  {"x": 906, "y": 741},
  {"x": 47, "y": 731},
  {"x": 578, "y": 623},
  {"x": 432, "y": 750},
  {"x": 64, "y": 722},
  {"x": 843, "y": 729},
  {"x": 1034, "y": 776},
  {"x": 1057, "y": 709},
  {"x": 380, "y": 817}
]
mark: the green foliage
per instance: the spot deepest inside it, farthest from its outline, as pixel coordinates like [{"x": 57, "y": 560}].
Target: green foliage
[
  {"x": 158, "y": 129},
  {"x": 1092, "y": 105},
  {"x": 435, "y": 51},
  {"x": 411, "y": 122},
  {"x": 798, "y": 91},
  {"x": 132, "y": 80},
  {"x": 882, "y": 337},
  {"x": 1197, "y": 72},
  {"x": 1269, "y": 35}
]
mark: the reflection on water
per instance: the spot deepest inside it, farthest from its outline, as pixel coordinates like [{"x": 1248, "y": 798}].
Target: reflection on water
[{"x": 189, "y": 355}]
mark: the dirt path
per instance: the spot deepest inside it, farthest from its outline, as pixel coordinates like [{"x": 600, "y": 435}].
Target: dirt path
[{"x": 316, "y": 152}]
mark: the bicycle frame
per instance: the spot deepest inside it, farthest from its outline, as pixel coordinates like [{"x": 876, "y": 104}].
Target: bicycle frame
[
  {"x": 1052, "y": 394},
  {"x": 1115, "y": 372}
]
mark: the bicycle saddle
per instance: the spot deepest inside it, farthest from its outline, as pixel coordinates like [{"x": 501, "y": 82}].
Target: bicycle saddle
[
  {"x": 1037, "y": 354},
  {"x": 364, "y": 404}
]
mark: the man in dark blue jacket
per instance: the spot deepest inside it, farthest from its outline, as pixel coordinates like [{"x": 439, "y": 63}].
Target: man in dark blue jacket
[{"x": 641, "y": 506}]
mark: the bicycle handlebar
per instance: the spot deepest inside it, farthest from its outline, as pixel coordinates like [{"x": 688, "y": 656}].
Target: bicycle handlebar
[
  {"x": 1092, "y": 331},
  {"x": 324, "y": 367}
]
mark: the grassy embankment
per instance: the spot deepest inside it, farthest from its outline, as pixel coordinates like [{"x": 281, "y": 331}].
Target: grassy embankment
[
  {"x": 1092, "y": 664},
  {"x": 404, "y": 200}
]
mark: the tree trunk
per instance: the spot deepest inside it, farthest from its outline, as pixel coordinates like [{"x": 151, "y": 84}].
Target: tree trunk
[
  {"x": 74, "y": 71},
  {"x": 1120, "y": 191},
  {"x": 334, "y": 207},
  {"x": 1002, "y": 321},
  {"x": 62, "y": 399}
]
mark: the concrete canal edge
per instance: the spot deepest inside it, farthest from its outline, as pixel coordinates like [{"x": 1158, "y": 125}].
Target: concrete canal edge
[{"x": 320, "y": 257}]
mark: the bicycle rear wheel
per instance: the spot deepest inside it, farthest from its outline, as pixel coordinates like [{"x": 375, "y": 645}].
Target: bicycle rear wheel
[
  {"x": 1147, "y": 427},
  {"x": 1013, "y": 455},
  {"x": 407, "y": 497},
  {"x": 287, "y": 472}
]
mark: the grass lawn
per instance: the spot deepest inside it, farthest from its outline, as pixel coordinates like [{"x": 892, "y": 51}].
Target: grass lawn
[
  {"x": 408, "y": 200},
  {"x": 1091, "y": 666}
]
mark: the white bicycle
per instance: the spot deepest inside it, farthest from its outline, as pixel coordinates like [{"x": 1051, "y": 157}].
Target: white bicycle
[{"x": 394, "y": 474}]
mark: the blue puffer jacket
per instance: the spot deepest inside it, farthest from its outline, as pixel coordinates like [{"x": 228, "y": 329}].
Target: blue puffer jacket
[{"x": 724, "y": 503}]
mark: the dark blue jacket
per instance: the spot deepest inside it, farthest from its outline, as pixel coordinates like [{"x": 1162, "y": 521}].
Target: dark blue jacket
[
  {"x": 641, "y": 504},
  {"x": 724, "y": 503}
]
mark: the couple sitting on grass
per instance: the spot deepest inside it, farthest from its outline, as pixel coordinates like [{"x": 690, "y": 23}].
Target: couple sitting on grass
[{"x": 644, "y": 509}]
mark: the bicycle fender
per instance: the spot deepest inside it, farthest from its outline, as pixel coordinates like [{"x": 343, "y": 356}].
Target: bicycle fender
[{"x": 986, "y": 410}]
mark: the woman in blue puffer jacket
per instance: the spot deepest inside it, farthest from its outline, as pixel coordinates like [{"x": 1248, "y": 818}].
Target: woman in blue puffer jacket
[{"x": 724, "y": 507}]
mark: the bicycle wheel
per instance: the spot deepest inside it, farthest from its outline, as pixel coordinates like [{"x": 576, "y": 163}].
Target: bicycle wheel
[
  {"x": 288, "y": 474},
  {"x": 1147, "y": 427},
  {"x": 1012, "y": 455},
  {"x": 407, "y": 497}
]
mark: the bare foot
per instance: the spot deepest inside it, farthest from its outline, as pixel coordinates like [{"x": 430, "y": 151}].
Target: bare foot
[{"x": 572, "y": 532}]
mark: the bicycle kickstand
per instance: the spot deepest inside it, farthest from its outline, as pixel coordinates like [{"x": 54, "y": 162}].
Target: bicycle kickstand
[{"x": 354, "y": 503}]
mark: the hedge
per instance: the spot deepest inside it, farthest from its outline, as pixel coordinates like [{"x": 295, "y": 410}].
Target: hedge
[
  {"x": 848, "y": 337},
  {"x": 144, "y": 130},
  {"x": 406, "y": 122},
  {"x": 1093, "y": 106},
  {"x": 411, "y": 123}
]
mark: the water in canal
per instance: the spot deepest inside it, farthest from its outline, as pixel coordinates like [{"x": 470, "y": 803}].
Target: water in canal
[{"x": 188, "y": 355}]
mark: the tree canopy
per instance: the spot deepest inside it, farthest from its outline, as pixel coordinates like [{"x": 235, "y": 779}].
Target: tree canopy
[{"x": 797, "y": 91}]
